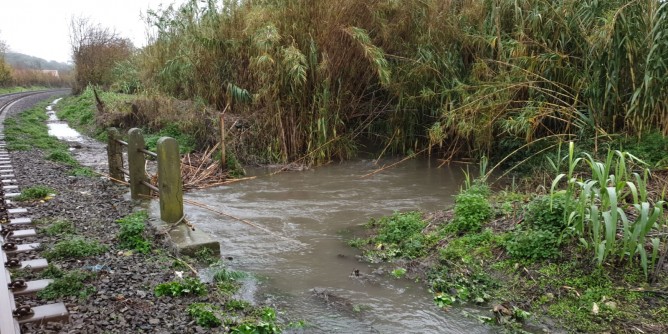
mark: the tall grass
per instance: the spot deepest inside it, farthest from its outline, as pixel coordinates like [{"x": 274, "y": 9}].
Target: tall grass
[
  {"x": 312, "y": 75},
  {"x": 610, "y": 212}
]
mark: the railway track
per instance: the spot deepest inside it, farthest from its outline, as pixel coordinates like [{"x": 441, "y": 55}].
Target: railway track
[{"x": 14, "y": 231}]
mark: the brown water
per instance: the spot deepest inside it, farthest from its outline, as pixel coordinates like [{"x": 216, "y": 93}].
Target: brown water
[{"x": 315, "y": 212}]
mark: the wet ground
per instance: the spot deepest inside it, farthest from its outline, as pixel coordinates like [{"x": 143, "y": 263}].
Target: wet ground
[{"x": 291, "y": 234}]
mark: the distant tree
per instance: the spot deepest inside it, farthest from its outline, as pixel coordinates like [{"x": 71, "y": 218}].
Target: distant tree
[
  {"x": 5, "y": 73},
  {"x": 95, "y": 50}
]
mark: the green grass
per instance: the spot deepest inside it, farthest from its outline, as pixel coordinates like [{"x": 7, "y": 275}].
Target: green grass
[
  {"x": 59, "y": 228},
  {"x": 69, "y": 284},
  {"x": 74, "y": 247},
  {"x": 82, "y": 171},
  {"x": 28, "y": 130},
  {"x": 19, "y": 89},
  {"x": 34, "y": 193}
]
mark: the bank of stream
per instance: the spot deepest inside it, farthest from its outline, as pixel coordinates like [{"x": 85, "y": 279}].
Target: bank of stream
[{"x": 299, "y": 259}]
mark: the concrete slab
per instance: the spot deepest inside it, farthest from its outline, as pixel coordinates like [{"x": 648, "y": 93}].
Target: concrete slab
[
  {"x": 187, "y": 241},
  {"x": 20, "y": 221},
  {"x": 17, "y": 211}
]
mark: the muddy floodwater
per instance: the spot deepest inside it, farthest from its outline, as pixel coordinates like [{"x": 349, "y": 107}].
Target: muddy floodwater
[
  {"x": 291, "y": 230},
  {"x": 304, "y": 265}
]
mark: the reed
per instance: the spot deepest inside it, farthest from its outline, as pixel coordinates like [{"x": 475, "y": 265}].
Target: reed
[
  {"x": 610, "y": 211},
  {"x": 312, "y": 76}
]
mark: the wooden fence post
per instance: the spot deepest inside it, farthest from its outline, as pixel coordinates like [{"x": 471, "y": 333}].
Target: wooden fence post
[
  {"x": 223, "y": 153},
  {"x": 169, "y": 180},
  {"x": 137, "y": 164},
  {"x": 115, "y": 155}
]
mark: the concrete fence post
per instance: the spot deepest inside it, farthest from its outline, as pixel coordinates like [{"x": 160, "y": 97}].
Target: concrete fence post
[
  {"x": 115, "y": 155},
  {"x": 169, "y": 180},
  {"x": 137, "y": 164}
]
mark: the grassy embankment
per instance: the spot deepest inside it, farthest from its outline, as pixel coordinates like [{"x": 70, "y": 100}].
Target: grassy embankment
[
  {"x": 28, "y": 131},
  {"x": 590, "y": 254}
]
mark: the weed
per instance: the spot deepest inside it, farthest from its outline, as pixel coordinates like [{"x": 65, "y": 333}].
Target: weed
[
  {"x": 35, "y": 193},
  {"x": 60, "y": 227},
  {"x": 467, "y": 285},
  {"x": 62, "y": 156},
  {"x": 82, "y": 171},
  {"x": 74, "y": 247},
  {"x": 472, "y": 209},
  {"x": 187, "y": 286},
  {"x": 265, "y": 325},
  {"x": 205, "y": 256},
  {"x": 131, "y": 235},
  {"x": 204, "y": 314},
  {"x": 471, "y": 247},
  {"x": 186, "y": 142},
  {"x": 225, "y": 275},
  {"x": 237, "y": 305},
  {"x": 547, "y": 213},
  {"x": 398, "y": 273},
  {"x": 533, "y": 245},
  {"x": 400, "y": 235},
  {"x": 69, "y": 284},
  {"x": 51, "y": 271},
  {"x": 28, "y": 130}
]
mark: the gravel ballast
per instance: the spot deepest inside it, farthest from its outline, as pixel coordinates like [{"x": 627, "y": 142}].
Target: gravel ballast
[{"x": 122, "y": 298}]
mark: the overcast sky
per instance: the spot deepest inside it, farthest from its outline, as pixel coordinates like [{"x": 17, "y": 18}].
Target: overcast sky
[{"x": 41, "y": 27}]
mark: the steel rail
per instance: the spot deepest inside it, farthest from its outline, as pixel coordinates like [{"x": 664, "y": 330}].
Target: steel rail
[{"x": 9, "y": 323}]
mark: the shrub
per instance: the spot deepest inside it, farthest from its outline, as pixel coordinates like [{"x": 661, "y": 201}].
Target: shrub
[
  {"x": 472, "y": 209},
  {"x": 61, "y": 156},
  {"x": 533, "y": 245},
  {"x": 545, "y": 213},
  {"x": 397, "y": 228}
]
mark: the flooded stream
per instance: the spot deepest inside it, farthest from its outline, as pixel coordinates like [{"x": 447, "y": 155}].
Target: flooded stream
[
  {"x": 311, "y": 215},
  {"x": 300, "y": 254}
]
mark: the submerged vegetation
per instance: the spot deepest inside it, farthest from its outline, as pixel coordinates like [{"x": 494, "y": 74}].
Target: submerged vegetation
[{"x": 590, "y": 254}]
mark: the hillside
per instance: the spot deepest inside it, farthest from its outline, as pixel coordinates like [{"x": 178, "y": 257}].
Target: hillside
[{"x": 19, "y": 60}]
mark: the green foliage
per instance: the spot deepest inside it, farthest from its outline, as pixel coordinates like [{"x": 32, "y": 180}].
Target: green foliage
[
  {"x": 472, "y": 210},
  {"x": 59, "y": 228},
  {"x": 82, "y": 171},
  {"x": 547, "y": 213},
  {"x": 186, "y": 141},
  {"x": 650, "y": 148},
  {"x": 28, "y": 130},
  {"x": 597, "y": 208},
  {"x": 51, "y": 271},
  {"x": 470, "y": 248},
  {"x": 204, "y": 314},
  {"x": 131, "y": 234},
  {"x": 226, "y": 275},
  {"x": 533, "y": 244},
  {"x": 74, "y": 247},
  {"x": 265, "y": 325},
  {"x": 451, "y": 285},
  {"x": 398, "y": 273},
  {"x": 69, "y": 284},
  {"x": 35, "y": 193},
  {"x": 186, "y": 286},
  {"x": 62, "y": 156},
  {"x": 400, "y": 235},
  {"x": 237, "y": 305}
]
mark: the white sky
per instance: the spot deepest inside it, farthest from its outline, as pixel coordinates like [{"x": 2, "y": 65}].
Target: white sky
[{"x": 40, "y": 28}]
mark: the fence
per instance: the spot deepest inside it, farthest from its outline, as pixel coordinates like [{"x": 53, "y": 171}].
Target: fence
[{"x": 169, "y": 187}]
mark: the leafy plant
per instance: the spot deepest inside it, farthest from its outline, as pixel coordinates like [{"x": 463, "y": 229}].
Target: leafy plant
[
  {"x": 534, "y": 245},
  {"x": 74, "y": 247},
  {"x": 35, "y": 193},
  {"x": 472, "y": 209},
  {"x": 266, "y": 324},
  {"x": 61, "y": 156},
  {"x": 204, "y": 314},
  {"x": 187, "y": 286},
  {"x": 131, "y": 234},
  {"x": 60, "y": 227},
  {"x": 598, "y": 209},
  {"x": 69, "y": 284},
  {"x": 398, "y": 273},
  {"x": 547, "y": 213}
]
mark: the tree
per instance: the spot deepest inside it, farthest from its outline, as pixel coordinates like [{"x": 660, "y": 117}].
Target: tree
[
  {"x": 5, "y": 73},
  {"x": 95, "y": 50}
]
